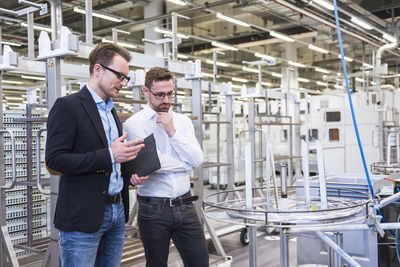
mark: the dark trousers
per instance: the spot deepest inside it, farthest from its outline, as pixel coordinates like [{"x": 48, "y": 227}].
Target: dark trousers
[{"x": 158, "y": 223}]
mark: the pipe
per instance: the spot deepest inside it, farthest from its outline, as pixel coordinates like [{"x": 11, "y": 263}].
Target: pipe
[
  {"x": 388, "y": 46},
  {"x": 341, "y": 228},
  {"x": 338, "y": 249}
]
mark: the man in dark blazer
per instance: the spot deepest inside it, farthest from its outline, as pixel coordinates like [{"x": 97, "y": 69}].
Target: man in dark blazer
[{"x": 86, "y": 147}]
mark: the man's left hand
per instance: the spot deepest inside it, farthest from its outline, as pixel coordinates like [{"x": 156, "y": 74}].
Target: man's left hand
[
  {"x": 167, "y": 121},
  {"x": 135, "y": 179}
]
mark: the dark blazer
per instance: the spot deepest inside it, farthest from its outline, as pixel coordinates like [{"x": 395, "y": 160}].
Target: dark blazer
[{"x": 77, "y": 148}]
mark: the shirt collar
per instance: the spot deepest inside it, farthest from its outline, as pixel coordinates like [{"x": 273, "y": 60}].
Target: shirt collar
[
  {"x": 99, "y": 102},
  {"x": 149, "y": 113}
]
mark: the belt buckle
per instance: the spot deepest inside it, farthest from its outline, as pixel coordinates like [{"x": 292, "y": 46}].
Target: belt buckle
[{"x": 177, "y": 198}]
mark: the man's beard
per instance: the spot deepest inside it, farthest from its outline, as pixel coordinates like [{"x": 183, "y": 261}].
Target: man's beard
[{"x": 163, "y": 107}]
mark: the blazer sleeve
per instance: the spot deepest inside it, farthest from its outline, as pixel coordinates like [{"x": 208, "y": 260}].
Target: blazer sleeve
[{"x": 70, "y": 150}]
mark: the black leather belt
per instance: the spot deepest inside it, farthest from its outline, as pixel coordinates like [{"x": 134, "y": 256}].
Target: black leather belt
[
  {"x": 113, "y": 199},
  {"x": 176, "y": 201}
]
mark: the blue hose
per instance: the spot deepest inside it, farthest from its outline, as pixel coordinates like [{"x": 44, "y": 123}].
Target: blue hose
[{"x": 351, "y": 102}]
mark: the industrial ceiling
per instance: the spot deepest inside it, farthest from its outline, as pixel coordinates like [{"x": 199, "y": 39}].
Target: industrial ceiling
[{"x": 251, "y": 30}]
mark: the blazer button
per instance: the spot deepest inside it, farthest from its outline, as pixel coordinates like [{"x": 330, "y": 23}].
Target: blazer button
[
  {"x": 104, "y": 192},
  {"x": 107, "y": 173}
]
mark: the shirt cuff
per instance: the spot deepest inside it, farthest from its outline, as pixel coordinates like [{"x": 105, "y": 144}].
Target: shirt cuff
[{"x": 111, "y": 156}]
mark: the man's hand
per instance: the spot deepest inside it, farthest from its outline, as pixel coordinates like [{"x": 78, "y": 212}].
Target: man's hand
[
  {"x": 167, "y": 121},
  {"x": 126, "y": 151},
  {"x": 135, "y": 179}
]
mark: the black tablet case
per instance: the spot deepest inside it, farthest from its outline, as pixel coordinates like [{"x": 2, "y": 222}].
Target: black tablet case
[{"x": 146, "y": 161}]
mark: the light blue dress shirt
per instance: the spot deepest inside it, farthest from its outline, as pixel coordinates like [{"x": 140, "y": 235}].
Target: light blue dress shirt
[{"x": 111, "y": 130}]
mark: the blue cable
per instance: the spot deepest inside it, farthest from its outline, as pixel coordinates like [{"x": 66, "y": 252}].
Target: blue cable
[{"x": 350, "y": 100}]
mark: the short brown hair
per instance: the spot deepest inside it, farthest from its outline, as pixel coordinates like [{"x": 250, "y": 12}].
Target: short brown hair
[
  {"x": 157, "y": 74},
  {"x": 103, "y": 53}
]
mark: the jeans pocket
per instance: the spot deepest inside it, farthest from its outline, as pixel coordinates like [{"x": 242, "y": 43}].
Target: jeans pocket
[
  {"x": 149, "y": 211},
  {"x": 188, "y": 208}
]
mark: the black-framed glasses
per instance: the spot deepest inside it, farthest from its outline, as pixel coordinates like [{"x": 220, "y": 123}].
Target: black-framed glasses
[
  {"x": 160, "y": 96},
  {"x": 120, "y": 75}
]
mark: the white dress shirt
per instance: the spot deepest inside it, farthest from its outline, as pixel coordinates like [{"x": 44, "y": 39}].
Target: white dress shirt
[{"x": 178, "y": 154}]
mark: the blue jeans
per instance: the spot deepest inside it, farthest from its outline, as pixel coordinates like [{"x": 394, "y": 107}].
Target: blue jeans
[
  {"x": 158, "y": 223},
  {"x": 103, "y": 248}
]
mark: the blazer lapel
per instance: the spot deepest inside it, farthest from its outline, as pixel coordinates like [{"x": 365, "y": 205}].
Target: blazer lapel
[{"x": 90, "y": 106}]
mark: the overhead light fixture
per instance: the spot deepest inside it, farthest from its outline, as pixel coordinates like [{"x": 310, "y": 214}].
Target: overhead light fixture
[
  {"x": 178, "y": 2},
  {"x": 124, "y": 44},
  {"x": 324, "y": 4},
  {"x": 222, "y": 64},
  {"x": 389, "y": 37},
  {"x": 14, "y": 82},
  {"x": 360, "y": 80},
  {"x": 322, "y": 83},
  {"x": 322, "y": 70},
  {"x": 37, "y": 27},
  {"x": 238, "y": 22},
  {"x": 224, "y": 46},
  {"x": 338, "y": 74},
  {"x": 239, "y": 80},
  {"x": 10, "y": 43},
  {"x": 368, "y": 66},
  {"x": 250, "y": 69},
  {"x": 182, "y": 56},
  {"x": 303, "y": 80},
  {"x": 275, "y": 74},
  {"x": 296, "y": 64},
  {"x": 281, "y": 36},
  {"x": 98, "y": 15},
  {"x": 207, "y": 75},
  {"x": 236, "y": 86},
  {"x": 374, "y": 83},
  {"x": 39, "y": 78},
  {"x": 361, "y": 23},
  {"x": 318, "y": 49},
  {"x": 169, "y": 33},
  {"x": 266, "y": 57},
  {"x": 266, "y": 84},
  {"x": 346, "y": 58},
  {"x": 338, "y": 86}
]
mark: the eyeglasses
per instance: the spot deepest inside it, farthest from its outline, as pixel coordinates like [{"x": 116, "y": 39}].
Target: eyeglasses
[
  {"x": 120, "y": 75},
  {"x": 160, "y": 96}
]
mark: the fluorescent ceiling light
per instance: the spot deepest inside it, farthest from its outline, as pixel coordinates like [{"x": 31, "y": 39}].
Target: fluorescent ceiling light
[
  {"x": 266, "y": 57},
  {"x": 360, "y": 80},
  {"x": 98, "y": 15},
  {"x": 169, "y": 33},
  {"x": 281, "y": 36},
  {"x": 250, "y": 69},
  {"x": 207, "y": 75},
  {"x": 324, "y": 4},
  {"x": 224, "y": 46},
  {"x": 124, "y": 44},
  {"x": 389, "y": 37},
  {"x": 178, "y": 2},
  {"x": 238, "y": 22},
  {"x": 182, "y": 56},
  {"x": 236, "y": 86},
  {"x": 36, "y": 27},
  {"x": 345, "y": 58},
  {"x": 239, "y": 80},
  {"x": 222, "y": 64},
  {"x": 322, "y": 70},
  {"x": 368, "y": 66},
  {"x": 14, "y": 82},
  {"x": 318, "y": 49},
  {"x": 361, "y": 23},
  {"x": 276, "y": 75},
  {"x": 338, "y": 74},
  {"x": 10, "y": 43},
  {"x": 374, "y": 83},
  {"x": 338, "y": 86},
  {"x": 322, "y": 83},
  {"x": 39, "y": 78},
  {"x": 14, "y": 98},
  {"x": 266, "y": 83},
  {"x": 303, "y": 80},
  {"x": 296, "y": 64}
]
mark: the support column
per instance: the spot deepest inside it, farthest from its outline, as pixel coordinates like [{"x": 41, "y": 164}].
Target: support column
[
  {"x": 154, "y": 8},
  {"x": 229, "y": 144}
]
